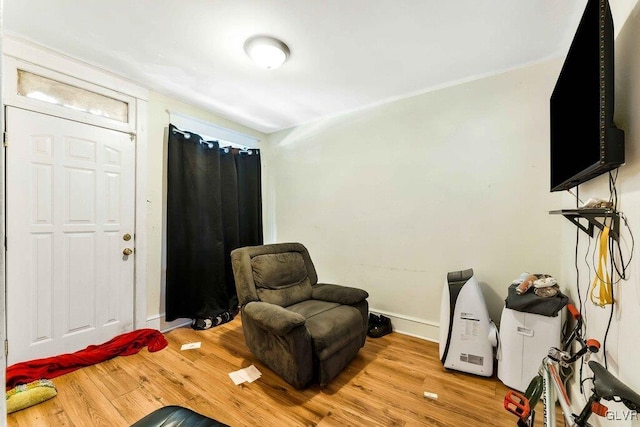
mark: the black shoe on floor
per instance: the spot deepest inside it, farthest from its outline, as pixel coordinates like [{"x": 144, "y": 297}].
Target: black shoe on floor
[
  {"x": 374, "y": 319},
  {"x": 200, "y": 323},
  {"x": 381, "y": 327},
  {"x": 203, "y": 323}
]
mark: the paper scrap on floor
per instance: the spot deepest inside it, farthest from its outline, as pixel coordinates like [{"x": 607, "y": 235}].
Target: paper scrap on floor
[
  {"x": 249, "y": 374},
  {"x": 190, "y": 346}
]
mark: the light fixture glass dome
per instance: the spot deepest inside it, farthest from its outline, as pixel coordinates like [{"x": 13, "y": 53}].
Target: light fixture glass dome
[{"x": 267, "y": 52}]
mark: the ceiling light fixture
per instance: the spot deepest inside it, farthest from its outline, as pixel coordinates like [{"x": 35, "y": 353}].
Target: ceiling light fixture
[{"x": 267, "y": 52}]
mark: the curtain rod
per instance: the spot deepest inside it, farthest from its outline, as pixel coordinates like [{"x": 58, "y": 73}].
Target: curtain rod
[
  {"x": 187, "y": 135},
  {"x": 211, "y": 131}
]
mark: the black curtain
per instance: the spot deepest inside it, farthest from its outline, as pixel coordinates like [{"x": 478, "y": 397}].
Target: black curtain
[{"x": 214, "y": 205}]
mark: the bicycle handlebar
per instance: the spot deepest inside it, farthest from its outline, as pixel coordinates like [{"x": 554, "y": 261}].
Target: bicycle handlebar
[
  {"x": 574, "y": 311},
  {"x": 564, "y": 356},
  {"x": 577, "y": 330}
]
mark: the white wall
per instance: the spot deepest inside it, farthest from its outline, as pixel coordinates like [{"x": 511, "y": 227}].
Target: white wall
[
  {"x": 391, "y": 198},
  {"x": 159, "y": 108}
]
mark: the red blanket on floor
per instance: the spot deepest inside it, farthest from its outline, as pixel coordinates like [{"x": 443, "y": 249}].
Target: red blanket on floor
[{"x": 51, "y": 367}]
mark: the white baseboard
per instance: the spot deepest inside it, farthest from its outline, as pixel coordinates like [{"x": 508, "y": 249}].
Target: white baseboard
[
  {"x": 413, "y": 326},
  {"x": 402, "y": 324},
  {"x": 160, "y": 323}
]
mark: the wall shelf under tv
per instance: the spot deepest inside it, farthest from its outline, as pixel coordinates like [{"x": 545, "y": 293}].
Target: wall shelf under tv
[{"x": 593, "y": 217}]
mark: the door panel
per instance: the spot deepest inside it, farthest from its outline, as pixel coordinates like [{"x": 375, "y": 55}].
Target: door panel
[{"x": 70, "y": 199}]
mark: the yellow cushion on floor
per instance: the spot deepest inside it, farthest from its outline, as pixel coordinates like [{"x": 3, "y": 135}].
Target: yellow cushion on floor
[{"x": 26, "y": 395}]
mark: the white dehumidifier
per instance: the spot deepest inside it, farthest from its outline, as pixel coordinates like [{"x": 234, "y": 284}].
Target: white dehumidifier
[{"x": 467, "y": 334}]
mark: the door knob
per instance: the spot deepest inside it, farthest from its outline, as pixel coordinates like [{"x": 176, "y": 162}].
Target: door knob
[
  {"x": 127, "y": 251},
  {"x": 126, "y": 237}
]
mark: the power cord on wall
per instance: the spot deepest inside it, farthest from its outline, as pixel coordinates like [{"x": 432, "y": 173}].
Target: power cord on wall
[
  {"x": 621, "y": 270},
  {"x": 618, "y": 265},
  {"x": 577, "y": 267}
]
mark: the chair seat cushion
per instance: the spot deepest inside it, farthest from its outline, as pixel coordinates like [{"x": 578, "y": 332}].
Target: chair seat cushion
[
  {"x": 311, "y": 307},
  {"x": 331, "y": 326}
]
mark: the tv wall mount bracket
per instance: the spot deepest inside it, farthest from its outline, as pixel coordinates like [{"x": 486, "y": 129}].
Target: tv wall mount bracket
[{"x": 596, "y": 217}]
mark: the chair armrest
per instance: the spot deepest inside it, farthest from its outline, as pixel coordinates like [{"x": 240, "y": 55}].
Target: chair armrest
[
  {"x": 337, "y": 293},
  {"x": 275, "y": 319}
]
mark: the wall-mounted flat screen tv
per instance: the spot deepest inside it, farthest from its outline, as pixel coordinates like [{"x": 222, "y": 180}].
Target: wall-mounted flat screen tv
[{"x": 585, "y": 142}]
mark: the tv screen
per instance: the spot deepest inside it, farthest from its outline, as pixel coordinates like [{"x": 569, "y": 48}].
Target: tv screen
[{"x": 585, "y": 142}]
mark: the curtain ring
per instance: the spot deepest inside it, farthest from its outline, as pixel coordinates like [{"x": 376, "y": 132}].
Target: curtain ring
[{"x": 186, "y": 135}]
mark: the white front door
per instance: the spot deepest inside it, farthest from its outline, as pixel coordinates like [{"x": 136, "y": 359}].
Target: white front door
[{"x": 70, "y": 210}]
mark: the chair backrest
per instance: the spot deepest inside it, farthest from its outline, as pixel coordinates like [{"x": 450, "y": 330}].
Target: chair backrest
[{"x": 280, "y": 273}]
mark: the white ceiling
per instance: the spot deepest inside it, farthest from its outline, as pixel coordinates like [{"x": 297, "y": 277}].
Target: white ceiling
[{"x": 345, "y": 54}]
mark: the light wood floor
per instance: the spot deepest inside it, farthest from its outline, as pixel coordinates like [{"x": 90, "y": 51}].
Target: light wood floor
[{"x": 383, "y": 386}]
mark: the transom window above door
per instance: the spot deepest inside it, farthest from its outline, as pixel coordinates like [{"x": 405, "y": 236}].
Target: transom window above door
[{"x": 34, "y": 86}]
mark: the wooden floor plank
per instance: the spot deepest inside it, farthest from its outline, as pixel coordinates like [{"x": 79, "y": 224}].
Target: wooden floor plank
[
  {"x": 111, "y": 379},
  {"x": 84, "y": 403},
  {"x": 382, "y": 386},
  {"x": 136, "y": 404}
]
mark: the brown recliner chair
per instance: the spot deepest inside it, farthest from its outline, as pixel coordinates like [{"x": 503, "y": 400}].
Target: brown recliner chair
[{"x": 301, "y": 329}]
